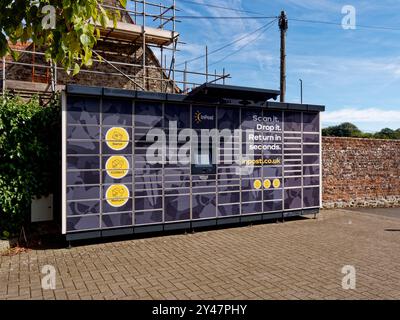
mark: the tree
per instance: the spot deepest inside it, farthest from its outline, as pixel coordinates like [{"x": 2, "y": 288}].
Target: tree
[
  {"x": 67, "y": 29},
  {"x": 346, "y": 129},
  {"x": 387, "y": 134}
]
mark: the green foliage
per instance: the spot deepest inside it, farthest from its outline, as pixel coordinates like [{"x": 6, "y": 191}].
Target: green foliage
[
  {"x": 76, "y": 30},
  {"x": 348, "y": 129},
  {"x": 388, "y": 134},
  {"x": 29, "y": 157}
]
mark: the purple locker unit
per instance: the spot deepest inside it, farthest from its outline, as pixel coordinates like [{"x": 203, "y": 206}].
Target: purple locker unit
[{"x": 137, "y": 161}]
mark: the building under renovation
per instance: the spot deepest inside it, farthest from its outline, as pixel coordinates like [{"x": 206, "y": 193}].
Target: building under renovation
[{"x": 138, "y": 54}]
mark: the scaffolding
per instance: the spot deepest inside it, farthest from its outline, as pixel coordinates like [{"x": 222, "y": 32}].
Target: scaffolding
[{"x": 143, "y": 25}]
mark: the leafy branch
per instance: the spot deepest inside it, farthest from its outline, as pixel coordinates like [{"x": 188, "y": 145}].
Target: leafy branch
[{"x": 70, "y": 42}]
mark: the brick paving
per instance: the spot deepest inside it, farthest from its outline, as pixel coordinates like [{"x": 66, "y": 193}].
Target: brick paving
[{"x": 298, "y": 259}]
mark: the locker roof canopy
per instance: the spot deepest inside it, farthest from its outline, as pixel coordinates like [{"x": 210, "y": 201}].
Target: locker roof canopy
[
  {"x": 221, "y": 91},
  {"x": 215, "y": 94}
]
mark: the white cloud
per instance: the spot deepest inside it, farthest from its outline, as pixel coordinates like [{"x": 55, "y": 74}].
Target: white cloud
[
  {"x": 346, "y": 66},
  {"x": 216, "y": 33},
  {"x": 354, "y": 79},
  {"x": 375, "y": 116}
]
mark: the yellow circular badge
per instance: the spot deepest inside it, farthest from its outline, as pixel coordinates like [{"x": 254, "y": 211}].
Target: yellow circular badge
[
  {"x": 117, "y": 195},
  {"x": 117, "y": 167},
  {"x": 257, "y": 184},
  {"x": 267, "y": 183},
  {"x": 117, "y": 138},
  {"x": 276, "y": 183}
]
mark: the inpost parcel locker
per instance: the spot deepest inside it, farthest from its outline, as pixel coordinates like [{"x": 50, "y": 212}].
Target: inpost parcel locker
[{"x": 135, "y": 161}]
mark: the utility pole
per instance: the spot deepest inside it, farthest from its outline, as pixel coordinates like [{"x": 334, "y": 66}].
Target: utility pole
[
  {"x": 185, "y": 78},
  {"x": 206, "y": 63},
  {"x": 301, "y": 91},
  {"x": 283, "y": 26}
]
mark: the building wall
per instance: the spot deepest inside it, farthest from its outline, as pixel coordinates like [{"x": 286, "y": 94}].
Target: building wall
[
  {"x": 360, "y": 172},
  {"x": 122, "y": 53},
  {"x": 101, "y": 73}
]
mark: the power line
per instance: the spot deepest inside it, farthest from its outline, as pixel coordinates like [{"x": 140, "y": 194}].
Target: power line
[
  {"x": 340, "y": 24},
  {"x": 266, "y": 27},
  {"x": 261, "y": 16},
  {"x": 245, "y": 45},
  {"x": 224, "y": 17},
  {"x": 220, "y": 7},
  {"x": 385, "y": 28},
  {"x": 228, "y": 44}
]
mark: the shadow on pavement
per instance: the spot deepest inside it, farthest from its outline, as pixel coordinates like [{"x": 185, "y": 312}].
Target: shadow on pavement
[{"x": 55, "y": 240}]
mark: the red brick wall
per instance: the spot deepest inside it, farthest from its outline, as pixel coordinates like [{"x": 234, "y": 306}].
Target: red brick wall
[{"x": 360, "y": 172}]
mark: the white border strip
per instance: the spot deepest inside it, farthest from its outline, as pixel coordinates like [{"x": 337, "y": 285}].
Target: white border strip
[
  {"x": 320, "y": 161},
  {"x": 63, "y": 162}
]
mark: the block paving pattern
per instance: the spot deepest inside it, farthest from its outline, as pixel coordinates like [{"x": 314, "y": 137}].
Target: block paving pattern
[{"x": 298, "y": 259}]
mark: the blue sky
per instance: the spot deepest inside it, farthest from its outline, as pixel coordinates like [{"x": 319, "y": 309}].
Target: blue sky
[{"x": 355, "y": 73}]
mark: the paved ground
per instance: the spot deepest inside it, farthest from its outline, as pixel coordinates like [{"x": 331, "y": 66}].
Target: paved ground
[
  {"x": 299, "y": 259},
  {"x": 388, "y": 212}
]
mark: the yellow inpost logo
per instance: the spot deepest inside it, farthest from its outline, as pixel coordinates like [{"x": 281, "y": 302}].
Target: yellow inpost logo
[
  {"x": 197, "y": 117},
  {"x": 257, "y": 184},
  {"x": 117, "y": 195},
  {"x": 117, "y": 138},
  {"x": 276, "y": 183},
  {"x": 267, "y": 184},
  {"x": 117, "y": 167}
]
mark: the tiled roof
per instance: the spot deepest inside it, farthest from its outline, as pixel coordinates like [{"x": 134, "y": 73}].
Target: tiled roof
[{"x": 19, "y": 45}]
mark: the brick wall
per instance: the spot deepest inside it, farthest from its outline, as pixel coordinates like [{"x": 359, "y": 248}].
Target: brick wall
[{"x": 360, "y": 172}]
